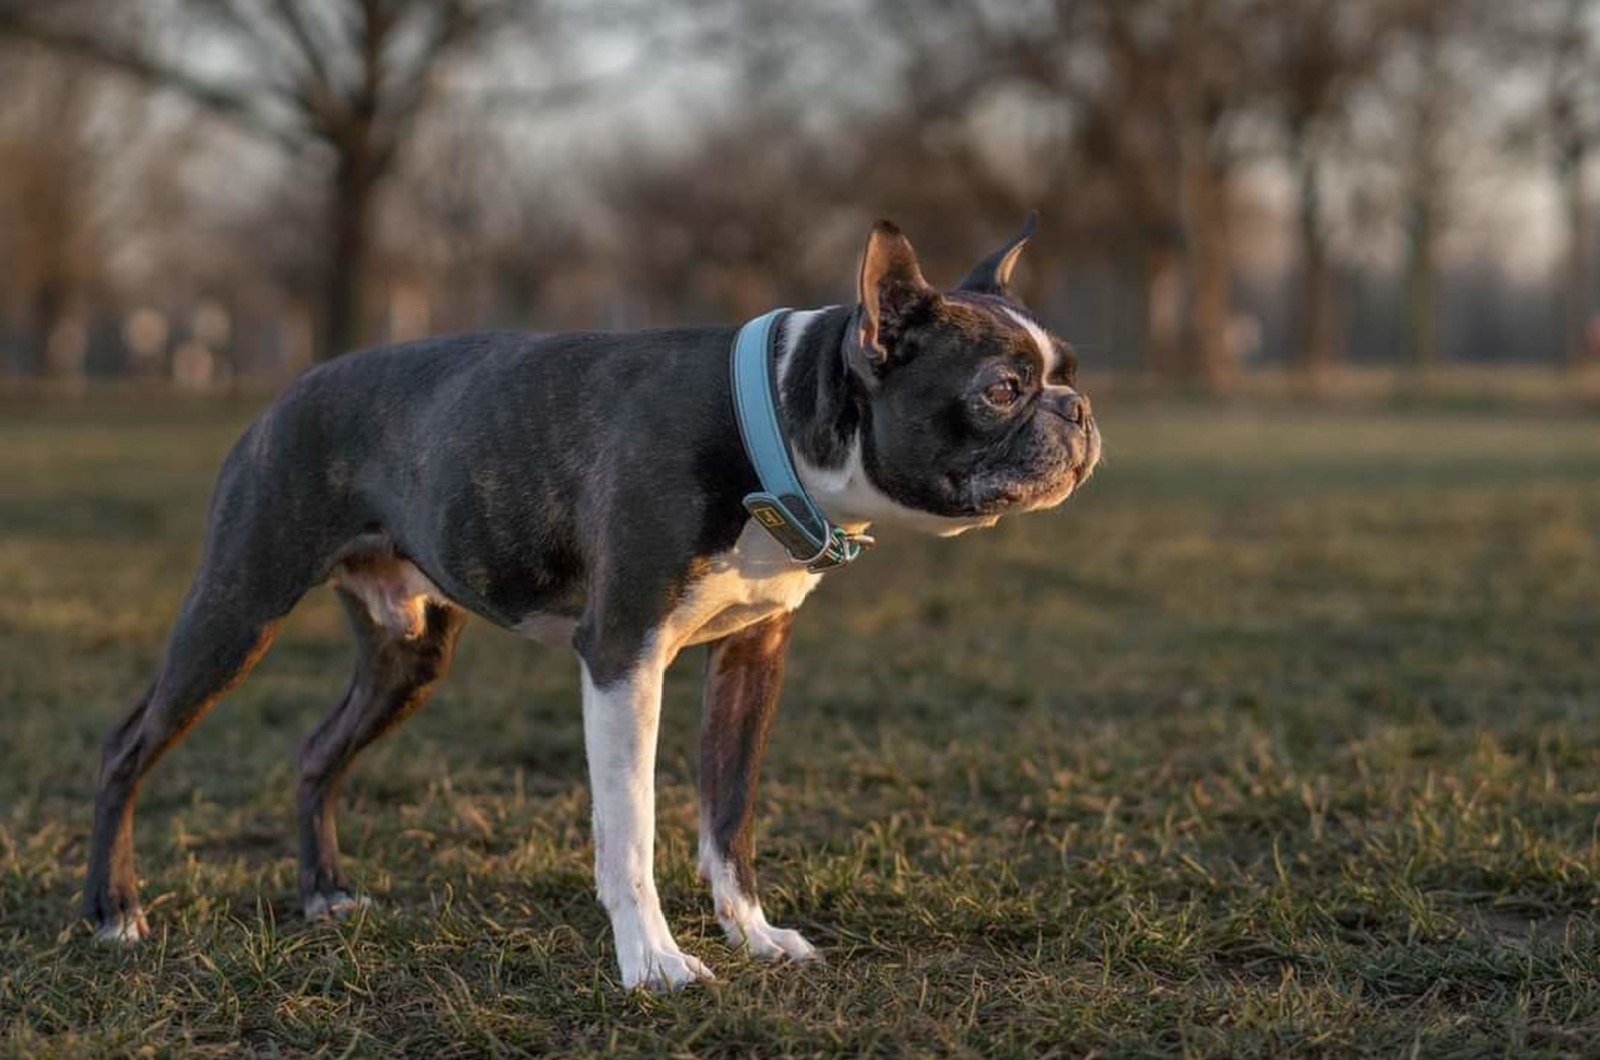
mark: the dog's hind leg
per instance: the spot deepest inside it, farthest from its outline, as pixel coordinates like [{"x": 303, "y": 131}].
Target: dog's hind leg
[
  {"x": 214, "y": 643},
  {"x": 743, "y": 678},
  {"x": 268, "y": 540},
  {"x": 404, "y": 644}
]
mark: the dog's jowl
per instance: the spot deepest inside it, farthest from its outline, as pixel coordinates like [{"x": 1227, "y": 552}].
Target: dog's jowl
[{"x": 627, "y": 496}]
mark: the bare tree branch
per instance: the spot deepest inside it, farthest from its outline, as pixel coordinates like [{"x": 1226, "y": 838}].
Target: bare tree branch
[
  {"x": 310, "y": 51},
  {"x": 236, "y": 105}
]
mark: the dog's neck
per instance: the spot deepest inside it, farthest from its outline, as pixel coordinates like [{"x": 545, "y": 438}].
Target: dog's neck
[
  {"x": 820, "y": 401},
  {"x": 826, "y": 415}
]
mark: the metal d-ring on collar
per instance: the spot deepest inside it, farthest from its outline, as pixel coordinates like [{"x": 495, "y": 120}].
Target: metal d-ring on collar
[{"x": 782, "y": 506}]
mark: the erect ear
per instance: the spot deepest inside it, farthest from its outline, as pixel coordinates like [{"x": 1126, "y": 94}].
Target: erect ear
[
  {"x": 893, "y": 293},
  {"x": 992, "y": 275}
]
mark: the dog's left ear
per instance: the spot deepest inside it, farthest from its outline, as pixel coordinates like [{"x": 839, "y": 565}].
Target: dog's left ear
[
  {"x": 894, "y": 299},
  {"x": 992, "y": 275}
]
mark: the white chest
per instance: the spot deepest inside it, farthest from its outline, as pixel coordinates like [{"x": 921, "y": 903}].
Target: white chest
[{"x": 752, "y": 581}]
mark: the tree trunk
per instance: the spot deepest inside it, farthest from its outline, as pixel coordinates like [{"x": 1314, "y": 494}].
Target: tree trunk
[
  {"x": 1576, "y": 294},
  {"x": 46, "y": 312},
  {"x": 349, "y": 225},
  {"x": 1317, "y": 339},
  {"x": 1207, "y": 356},
  {"x": 1203, "y": 207},
  {"x": 1161, "y": 309},
  {"x": 1422, "y": 329}
]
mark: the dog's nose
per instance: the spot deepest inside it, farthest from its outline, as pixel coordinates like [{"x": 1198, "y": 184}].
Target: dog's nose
[
  {"x": 1079, "y": 411},
  {"x": 1072, "y": 407}
]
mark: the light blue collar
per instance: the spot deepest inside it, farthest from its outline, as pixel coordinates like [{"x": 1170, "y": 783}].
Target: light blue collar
[{"x": 782, "y": 507}]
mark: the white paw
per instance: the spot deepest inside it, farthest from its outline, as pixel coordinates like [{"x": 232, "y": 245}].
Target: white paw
[
  {"x": 773, "y": 944},
  {"x": 767, "y": 942},
  {"x": 125, "y": 930},
  {"x": 337, "y": 906},
  {"x": 741, "y": 917},
  {"x": 661, "y": 970}
]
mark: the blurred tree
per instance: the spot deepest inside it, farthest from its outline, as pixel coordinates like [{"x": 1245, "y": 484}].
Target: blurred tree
[
  {"x": 1565, "y": 35},
  {"x": 346, "y": 77},
  {"x": 1552, "y": 50},
  {"x": 1316, "y": 56},
  {"x": 1154, "y": 135},
  {"x": 473, "y": 238},
  {"x": 1424, "y": 98},
  {"x": 729, "y": 231},
  {"x": 1134, "y": 109},
  {"x": 1127, "y": 129},
  {"x": 1215, "y": 79},
  {"x": 50, "y": 231},
  {"x": 72, "y": 173},
  {"x": 1426, "y": 197}
]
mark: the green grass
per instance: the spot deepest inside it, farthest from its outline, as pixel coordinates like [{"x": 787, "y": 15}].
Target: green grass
[{"x": 1282, "y": 739}]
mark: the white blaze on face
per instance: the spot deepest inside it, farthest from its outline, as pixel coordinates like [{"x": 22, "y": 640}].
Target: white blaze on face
[{"x": 1047, "y": 348}]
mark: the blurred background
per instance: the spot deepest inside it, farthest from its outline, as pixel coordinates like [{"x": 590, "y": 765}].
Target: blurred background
[{"x": 1309, "y": 194}]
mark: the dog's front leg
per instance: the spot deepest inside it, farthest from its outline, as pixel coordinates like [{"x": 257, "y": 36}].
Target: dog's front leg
[
  {"x": 620, "y": 719},
  {"x": 743, "y": 677}
]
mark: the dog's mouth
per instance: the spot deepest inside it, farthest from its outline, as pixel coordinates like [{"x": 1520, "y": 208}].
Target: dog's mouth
[
  {"x": 1042, "y": 497},
  {"x": 1037, "y": 492},
  {"x": 1084, "y": 468}
]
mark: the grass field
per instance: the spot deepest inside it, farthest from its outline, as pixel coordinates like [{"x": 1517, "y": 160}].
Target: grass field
[{"x": 1283, "y": 739}]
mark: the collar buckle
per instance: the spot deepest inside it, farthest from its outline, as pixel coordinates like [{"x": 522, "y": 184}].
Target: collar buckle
[
  {"x": 839, "y": 548},
  {"x": 843, "y": 548}
]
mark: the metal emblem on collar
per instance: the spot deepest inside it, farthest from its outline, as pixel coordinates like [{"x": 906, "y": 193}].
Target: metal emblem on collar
[{"x": 840, "y": 548}]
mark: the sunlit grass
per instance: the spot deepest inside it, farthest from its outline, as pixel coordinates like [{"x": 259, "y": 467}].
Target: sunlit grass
[{"x": 1281, "y": 739}]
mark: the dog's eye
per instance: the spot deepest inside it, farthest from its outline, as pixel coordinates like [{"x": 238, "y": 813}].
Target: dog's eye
[{"x": 1002, "y": 393}]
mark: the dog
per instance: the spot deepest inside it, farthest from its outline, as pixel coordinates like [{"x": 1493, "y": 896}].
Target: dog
[{"x": 602, "y": 491}]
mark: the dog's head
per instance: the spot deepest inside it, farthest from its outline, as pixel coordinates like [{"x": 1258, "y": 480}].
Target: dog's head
[{"x": 972, "y": 409}]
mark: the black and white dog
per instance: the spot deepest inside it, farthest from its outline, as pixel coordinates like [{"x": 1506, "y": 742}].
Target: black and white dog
[{"x": 586, "y": 489}]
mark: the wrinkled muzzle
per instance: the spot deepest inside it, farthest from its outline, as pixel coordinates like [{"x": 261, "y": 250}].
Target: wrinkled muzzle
[
  {"x": 1079, "y": 438},
  {"x": 1041, "y": 467}
]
